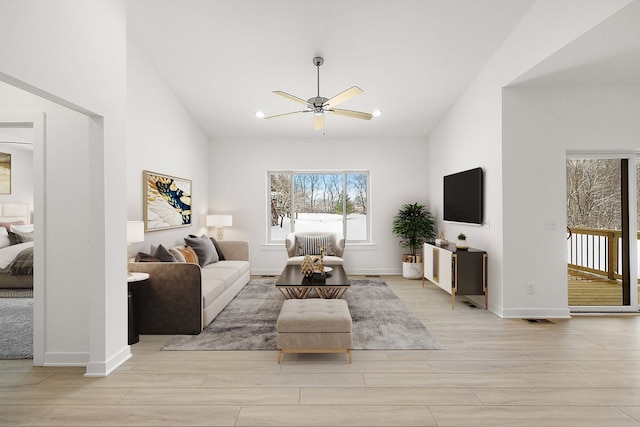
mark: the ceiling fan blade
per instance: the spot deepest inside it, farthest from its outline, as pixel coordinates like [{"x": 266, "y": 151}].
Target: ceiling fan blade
[
  {"x": 351, "y": 113},
  {"x": 318, "y": 121},
  {"x": 286, "y": 114},
  {"x": 291, "y": 97},
  {"x": 344, "y": 96}
]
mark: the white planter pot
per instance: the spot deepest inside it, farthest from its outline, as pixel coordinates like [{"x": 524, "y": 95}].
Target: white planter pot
[
  {"x": 412, "y": 270},
  {"x": 462, "y": 244}
]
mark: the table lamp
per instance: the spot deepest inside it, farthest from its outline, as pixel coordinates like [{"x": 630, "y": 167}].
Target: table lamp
[{"x": 219, "y": 221}]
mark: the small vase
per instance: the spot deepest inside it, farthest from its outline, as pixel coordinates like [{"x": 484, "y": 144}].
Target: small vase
[{"x": 462, "y": 244}]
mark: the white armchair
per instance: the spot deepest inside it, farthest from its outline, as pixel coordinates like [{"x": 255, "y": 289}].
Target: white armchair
[{"x": 300, "y": 244}]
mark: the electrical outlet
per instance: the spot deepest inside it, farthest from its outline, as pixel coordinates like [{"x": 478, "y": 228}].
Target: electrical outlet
[{"x": 531, "y": 288}]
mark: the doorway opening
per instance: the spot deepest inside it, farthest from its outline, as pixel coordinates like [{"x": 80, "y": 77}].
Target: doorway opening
[
  {"x": 23, "y": 138},
  {"x": 600, "y": 216}
]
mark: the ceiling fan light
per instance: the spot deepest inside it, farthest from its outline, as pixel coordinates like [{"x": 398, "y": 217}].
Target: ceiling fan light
[
  {"x": 376, "y": 113},
  {"x": 260, "y": 114}
]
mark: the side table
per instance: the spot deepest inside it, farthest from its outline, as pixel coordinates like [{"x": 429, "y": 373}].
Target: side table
[{"x": 131, "y": 279}]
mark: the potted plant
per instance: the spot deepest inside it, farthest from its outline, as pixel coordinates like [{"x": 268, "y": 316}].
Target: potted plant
[
  {"x": 462, "y": 242},
  {"x": 414, "y": 225}
]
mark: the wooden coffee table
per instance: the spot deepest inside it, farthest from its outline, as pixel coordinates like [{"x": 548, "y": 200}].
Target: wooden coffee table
[{"x": 292, "y": 285}]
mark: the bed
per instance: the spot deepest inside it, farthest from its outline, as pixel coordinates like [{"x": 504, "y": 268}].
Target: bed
[{"x": 16, "y": 246}]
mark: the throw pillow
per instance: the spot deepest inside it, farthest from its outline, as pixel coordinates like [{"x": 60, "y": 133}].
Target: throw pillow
[
  {"x": 15, "y": 237},
  {"x": 204, "y": 248},
  {"x": 21, "y": 228},
  {"x": 311, "y": 244},
  {"x": 4, "y": 238},
  {"x": 215, "y": 243},
  {"x": 175, "y": 251},
  {"x": 142, "y": 257},
  {"x": 163, "y": 254},
  {"x": 189, "y": 255},
  {"x": 8, "y": 225}
]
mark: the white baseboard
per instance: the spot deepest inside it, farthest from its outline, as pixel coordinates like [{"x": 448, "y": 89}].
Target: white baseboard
[
  {"x": 65, "y": 359},
  {"x": 537, "y": 313},
  {"x": 93, "y": 369},
  {"x": 102, "y": 369}
]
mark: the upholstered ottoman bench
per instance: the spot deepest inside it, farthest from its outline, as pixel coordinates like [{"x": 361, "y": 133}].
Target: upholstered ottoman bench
[{"x": 314, "y": 326}]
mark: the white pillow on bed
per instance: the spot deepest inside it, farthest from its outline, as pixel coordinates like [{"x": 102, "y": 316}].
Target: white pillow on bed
[
  {"x": 4, "y": 238},
  {"x": 22, "y": 228}
]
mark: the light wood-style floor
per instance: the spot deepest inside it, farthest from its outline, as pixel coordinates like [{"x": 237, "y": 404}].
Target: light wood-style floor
[{"x": 491, "y": 372}]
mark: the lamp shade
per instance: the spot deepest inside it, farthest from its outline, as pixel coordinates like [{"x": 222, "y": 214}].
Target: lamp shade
[
  {"x": 219, "y": 220},
  {"x": 135, "y": 231}
]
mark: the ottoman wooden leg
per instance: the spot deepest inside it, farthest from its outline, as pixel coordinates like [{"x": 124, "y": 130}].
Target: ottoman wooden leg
[{"x": 279, "y": 355}]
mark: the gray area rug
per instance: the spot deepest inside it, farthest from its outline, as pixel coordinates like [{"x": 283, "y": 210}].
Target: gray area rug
[
  {"x": 16, "y": 328},
  {"x": 381, "y": 321}
]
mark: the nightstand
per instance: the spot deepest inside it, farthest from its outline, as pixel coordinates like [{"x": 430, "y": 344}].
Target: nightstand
[{"x": 132, "y": 280}]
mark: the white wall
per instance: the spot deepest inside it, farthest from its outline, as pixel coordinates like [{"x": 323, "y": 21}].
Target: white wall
[
  {"x": 398, "y": 175},
  {"x": 163, "y": 138},
  {"x": 470, "y": 134},
  {"x": 21, "y": 173},
  {"x": 68, "y": 157},
  {"x": 74, "y": 52},
  {"x": 540, "y": 126}
]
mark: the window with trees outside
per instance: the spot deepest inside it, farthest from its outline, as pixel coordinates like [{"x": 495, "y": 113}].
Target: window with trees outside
[{"x": 335, "y": 202}]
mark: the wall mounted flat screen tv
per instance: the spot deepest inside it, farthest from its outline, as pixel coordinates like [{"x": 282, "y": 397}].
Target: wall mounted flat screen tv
[{"x": 463, "y": 196}]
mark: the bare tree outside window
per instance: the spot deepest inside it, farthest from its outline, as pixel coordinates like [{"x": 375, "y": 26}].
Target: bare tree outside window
[
  {"x": 280, "y": 198},
  {"x": 593, "y": 194},
  {"x": 309, "y": 201}
]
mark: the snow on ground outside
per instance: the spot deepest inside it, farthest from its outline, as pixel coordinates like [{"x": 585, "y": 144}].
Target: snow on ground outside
[{"x": 331, "y": 223}]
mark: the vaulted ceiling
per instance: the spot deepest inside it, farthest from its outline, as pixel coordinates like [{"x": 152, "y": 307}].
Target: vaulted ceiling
[{"x": 412, "y": 58}]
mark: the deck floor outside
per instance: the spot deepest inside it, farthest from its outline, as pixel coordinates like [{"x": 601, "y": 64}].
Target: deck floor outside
[{"x": 586, "y": 289}]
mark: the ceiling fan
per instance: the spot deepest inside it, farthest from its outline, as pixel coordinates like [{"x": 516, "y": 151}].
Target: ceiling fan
[{"x": 319, "y": 105}]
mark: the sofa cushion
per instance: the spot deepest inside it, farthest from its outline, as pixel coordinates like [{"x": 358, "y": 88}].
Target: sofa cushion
[
  {"x": 241, "y": 266},
  {"x": 211, "y": 289},
  {"x": 204, "y": 248},
  {"x": 227, "y": 275}
]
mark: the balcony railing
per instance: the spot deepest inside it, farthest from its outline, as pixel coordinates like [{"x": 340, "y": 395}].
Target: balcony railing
[{"x": 596, "y": 251}]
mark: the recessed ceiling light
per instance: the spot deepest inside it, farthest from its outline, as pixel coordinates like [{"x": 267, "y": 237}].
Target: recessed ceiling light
[
  {"x": 376, "y": 113},
  {"x": 259, "y": 114}
]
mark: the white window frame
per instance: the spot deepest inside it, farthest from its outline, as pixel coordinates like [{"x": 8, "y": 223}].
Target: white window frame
[{"x": 344, "y": 173}]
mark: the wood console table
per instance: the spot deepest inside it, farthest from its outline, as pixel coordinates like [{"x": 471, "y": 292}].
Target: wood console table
[{"x": 457, "y": 271}]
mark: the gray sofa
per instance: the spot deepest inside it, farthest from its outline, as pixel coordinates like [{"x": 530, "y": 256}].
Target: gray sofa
[{"x": 182, "y": 298}]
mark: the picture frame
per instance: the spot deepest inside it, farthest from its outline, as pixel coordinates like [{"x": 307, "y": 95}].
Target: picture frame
[
  {"x": 167, "y": 201},
  {"x": 5, "y": 173}
]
